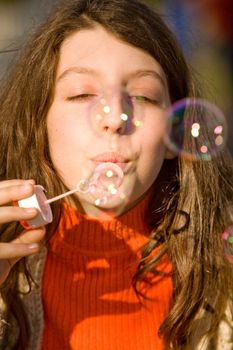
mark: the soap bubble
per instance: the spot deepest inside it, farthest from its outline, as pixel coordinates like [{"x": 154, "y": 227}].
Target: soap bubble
[
  {"x": 106, "y": 185},
  {"x": 83, "y": 186},
  {"x": 197, "y": 129},
  {"x": 227, "y": 237},
  {"x": 115, "y": 108}
]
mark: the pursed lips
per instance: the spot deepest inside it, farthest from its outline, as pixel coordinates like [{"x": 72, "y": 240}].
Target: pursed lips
[{"x": 111, "y": 157}]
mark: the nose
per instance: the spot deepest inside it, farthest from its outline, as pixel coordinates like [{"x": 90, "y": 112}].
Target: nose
[{"x": 115, "y": 116}]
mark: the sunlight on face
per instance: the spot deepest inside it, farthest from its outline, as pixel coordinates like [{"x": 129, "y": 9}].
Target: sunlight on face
[{"x": 94, "y": 65}]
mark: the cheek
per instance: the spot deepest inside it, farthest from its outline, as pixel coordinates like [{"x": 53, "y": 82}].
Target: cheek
[
  {"x": 67, "y": 132},
  {"x": 68, "y": 145},
  {"x": 153, "y": 155},
  {"x": 152, "y": 151},
  {"x": 152, "y": 135}
]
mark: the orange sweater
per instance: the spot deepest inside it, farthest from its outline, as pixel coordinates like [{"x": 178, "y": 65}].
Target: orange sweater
[{"x": 88, "y": 299}]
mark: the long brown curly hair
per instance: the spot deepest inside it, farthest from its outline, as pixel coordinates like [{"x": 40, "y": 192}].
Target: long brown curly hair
[{"x": 193, "y": 205}]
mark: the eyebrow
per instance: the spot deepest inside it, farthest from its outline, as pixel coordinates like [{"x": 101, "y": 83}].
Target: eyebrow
[
  {"x": 90, "y": 71},
  {"x": 77, "y": 70},
  {"x": 140, "y": 73}
]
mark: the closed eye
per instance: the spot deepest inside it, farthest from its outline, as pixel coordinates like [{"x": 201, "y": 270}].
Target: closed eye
[
  {"x": 143, "y": 99},
  {"x": 81, "y": 97}
]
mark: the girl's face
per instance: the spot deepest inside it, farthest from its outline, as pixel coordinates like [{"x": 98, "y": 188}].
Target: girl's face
[{"x": 94, "y": 63}]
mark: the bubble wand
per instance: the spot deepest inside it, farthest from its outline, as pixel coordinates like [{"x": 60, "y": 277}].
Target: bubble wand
[{"x": 39, "y": 200}]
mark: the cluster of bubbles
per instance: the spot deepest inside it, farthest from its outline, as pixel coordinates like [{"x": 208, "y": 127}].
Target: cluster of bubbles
[
  {"x": 117, "y": 106},
  {"x": 104, "y": 186},
  {"x": 196, "y": 129},
  {"x": 227, "y": 237}
]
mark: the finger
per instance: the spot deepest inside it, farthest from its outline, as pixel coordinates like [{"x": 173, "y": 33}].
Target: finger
[
  {"x": 14, "y": 193},
  {"x": 15, "y": 182},
  {"x": 8, "y": 214},
  {"x": 11, "y": 251},
  {"x": 30, "y": 236}
]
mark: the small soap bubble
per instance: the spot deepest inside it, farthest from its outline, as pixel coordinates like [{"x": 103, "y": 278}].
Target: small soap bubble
[
  {"x": 109, "y": 173},
  {"x": 106, "y": 175},
  {"x": 124, "y": 117},
  {"x": 106, "y": 185},
  {"x": 137, "y": 123},
  {"x": 115, "y": 107},
  {"x": 83, "y": 186},
  {"x": 197, "y": 129},
  {"x": 227, "y": 238}
]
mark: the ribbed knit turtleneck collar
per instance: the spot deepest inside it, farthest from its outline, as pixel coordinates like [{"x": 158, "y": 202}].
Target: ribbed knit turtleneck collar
[
  {"x": 88, "y": 297},
  {"x": 91, "y": 236}
]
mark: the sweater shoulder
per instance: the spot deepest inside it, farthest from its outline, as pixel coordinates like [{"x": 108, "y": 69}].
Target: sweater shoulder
[{"x": 32, "y": 301}]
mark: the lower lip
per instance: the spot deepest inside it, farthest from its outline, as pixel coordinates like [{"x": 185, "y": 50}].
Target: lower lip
[{"x": 121, "y": 165}]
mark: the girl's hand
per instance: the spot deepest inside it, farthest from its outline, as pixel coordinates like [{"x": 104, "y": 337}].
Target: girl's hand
[{"x": 28, "y": 242}]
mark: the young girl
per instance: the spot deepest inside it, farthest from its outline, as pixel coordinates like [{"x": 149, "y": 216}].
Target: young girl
[{"x": 147, "y": 271}]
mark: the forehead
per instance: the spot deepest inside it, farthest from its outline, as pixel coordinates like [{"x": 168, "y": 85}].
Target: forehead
[{"x": 102, "y": 52}]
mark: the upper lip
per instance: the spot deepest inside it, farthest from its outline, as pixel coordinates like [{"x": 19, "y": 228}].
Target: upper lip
[{"x": 110, "y": 157}]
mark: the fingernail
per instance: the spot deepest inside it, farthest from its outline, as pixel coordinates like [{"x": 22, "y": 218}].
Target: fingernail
[{"x": 33, "y": 246}]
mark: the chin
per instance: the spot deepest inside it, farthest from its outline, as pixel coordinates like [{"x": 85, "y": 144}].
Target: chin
[{"x": 113, "y": 202}]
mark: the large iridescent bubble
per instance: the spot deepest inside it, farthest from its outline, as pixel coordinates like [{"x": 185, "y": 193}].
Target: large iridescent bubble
[{"x": 197, "y": 129}]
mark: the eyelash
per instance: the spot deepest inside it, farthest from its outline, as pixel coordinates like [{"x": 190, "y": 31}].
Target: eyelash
[
  {"x": 81, "y": 97},
  {"x": 139, "y": 98},
  {"x": 144, "y": 99}
]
